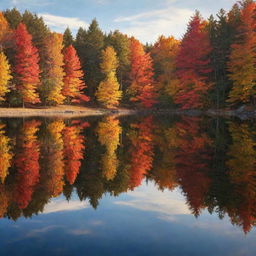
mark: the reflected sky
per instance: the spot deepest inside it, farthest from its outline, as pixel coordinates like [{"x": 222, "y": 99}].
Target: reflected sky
[
  {"x": 129, "y": 224},
  {"x": 127, "y": 186}
]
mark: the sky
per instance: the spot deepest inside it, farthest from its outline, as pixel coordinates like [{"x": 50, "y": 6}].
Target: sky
[{"x": 144, "y": 19}]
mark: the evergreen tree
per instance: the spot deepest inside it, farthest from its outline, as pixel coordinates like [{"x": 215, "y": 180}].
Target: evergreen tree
[
  {"x": 39, "y": 31},
  {"x": 67, "y": 38},
  {"x": 13, "y": 17},
  {"x": 121, "y": 45},
  {"x": 89, "y": 45}
]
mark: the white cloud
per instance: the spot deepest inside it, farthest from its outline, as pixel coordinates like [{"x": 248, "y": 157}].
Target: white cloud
[
  {"x": 60, "y": 23},
  {"x": 28, "y": 3},
  {"x": 167, "y": 204},
  {"x": 61, "y": 205},
  {"x": 147, "y": 26},
  {"x": 79, "y": 232}
]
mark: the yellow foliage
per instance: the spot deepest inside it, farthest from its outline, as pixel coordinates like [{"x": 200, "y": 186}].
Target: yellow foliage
[
  {"x": 164, "y": 54},
  {"x": 4, "y": 28},
  {"x": 5, "y": 76},
  {"x": 109, "y": 165},
  {"x": 56, "y": 157},
  {"x": 53, "y": 83},
  {"x": 108, "y": 132},
  {"x": 242, "y": 154},
  {"x": 108, "y": 93},
  {"x": 109, "y": 60},
  {"x": 5, "y": 155}
]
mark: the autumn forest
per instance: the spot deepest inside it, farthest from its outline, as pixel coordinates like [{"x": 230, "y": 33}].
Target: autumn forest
[{"x": 212, "y": 66}]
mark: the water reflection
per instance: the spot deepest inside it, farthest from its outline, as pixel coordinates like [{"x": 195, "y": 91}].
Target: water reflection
[{"x": 212, "y": 161}]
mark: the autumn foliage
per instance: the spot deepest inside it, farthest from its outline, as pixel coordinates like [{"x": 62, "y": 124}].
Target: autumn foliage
[
  {"x": 142, "y": 88},
  {"x": 26, "y": 66},
  {"x": 141, "y": 151},
  {"x": 73, "y": 83},
  {"x": 5, "y": 76},
  {"x": 53, "y": 75},
  {"x": 193, "y": 66},
  {"x": 242, "y": 60},
  {"x": 109, "y": 132},
  {"x": 108, "y": 92},
  {"x": 55, "y": 158},
  {"x": 164, "y": 54},
  {"x": 5, "y": 32},
  {"x": 27, "y": 163},
  {"x": 73, "y": 151},
  {"x": 5, "y": 154}
]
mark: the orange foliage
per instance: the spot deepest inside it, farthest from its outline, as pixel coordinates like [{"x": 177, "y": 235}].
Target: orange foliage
[
  {"x": 54, "y": 74},
  {"x": 141, "y": 151},
  {"x": 55, "y": 158},
  {"x": 73, "y": 83},
  {"x": 73, "y": 151},
  {"x": 142, "y": 83},
  {"x": 5, "y": 154},
  {"x": 26, "y": 162},
  {"x": 26, "y": 66},
  {"x": 4, "y": 200},
  {"x": 191, "y": 162},
  {"x": 243, "y": 58}
]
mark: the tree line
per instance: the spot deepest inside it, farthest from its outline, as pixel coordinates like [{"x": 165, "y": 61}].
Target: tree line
[{"x": 212, "y": 66}]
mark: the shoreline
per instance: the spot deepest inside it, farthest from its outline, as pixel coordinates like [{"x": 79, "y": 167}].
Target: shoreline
[{"x": 68, "y": 111}]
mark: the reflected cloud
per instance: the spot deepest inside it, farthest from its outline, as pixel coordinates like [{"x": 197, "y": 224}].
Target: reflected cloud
[
  {"x": 80, "y": 232},
  {"x": 151, "y": 199},
  {"x": 39, "y": 231},
  {"x": 62, "y": 205}
]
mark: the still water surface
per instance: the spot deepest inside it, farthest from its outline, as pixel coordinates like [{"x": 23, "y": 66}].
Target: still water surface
[{"x": 128, "y": 186}]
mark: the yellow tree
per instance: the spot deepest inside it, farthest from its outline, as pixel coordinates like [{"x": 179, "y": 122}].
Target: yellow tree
[
  {"x": 55, "y": 158},
  {"x": 164, "y": 54},
  {"x": 108, "y": 132},
  {"x": 4, "y": 29},
  {"x": 243, "y": 58},
  {"x": 108, "y": 93},
  {"x": 5, "y": 154},
  {"x": 51, "y": 90},
  {"x": 5, "y": 76},
  {"x": 242, "y": 172}
]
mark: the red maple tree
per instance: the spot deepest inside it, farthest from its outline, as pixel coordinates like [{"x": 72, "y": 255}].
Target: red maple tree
[
  {"x": 26, "y": 66},
  {"x": 193, "y": 65},
  {"x": 73, "y": 83},
  {"x": 141, "y": 75}
]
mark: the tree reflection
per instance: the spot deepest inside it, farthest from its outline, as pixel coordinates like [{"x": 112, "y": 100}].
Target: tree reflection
[{"x": 211, "y": 161}]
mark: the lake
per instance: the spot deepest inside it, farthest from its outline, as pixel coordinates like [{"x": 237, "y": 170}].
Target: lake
[{"x": 131, "y": 185}]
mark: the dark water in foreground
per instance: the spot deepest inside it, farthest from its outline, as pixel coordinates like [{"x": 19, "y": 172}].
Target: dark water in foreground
[{"x": 128, "y": 186}]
